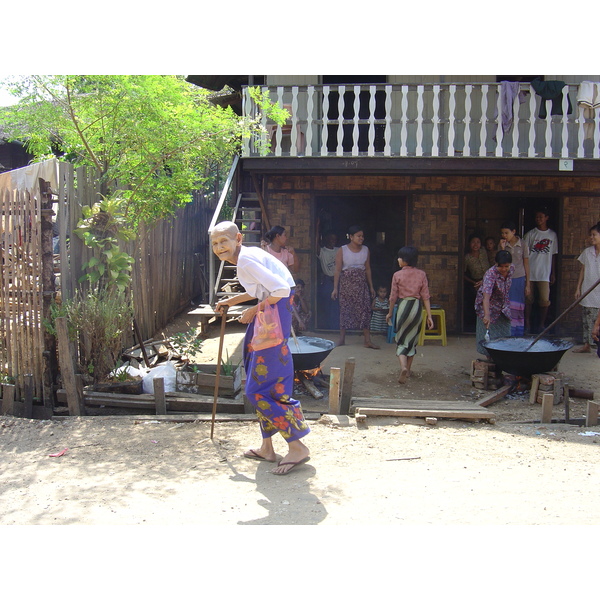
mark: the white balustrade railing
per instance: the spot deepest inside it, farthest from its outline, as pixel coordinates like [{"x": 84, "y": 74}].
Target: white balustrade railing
[{"x": 431, "y": 120}]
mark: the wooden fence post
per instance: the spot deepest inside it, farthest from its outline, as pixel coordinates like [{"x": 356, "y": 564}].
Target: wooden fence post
[
  {"x": 334, "y": 391},
  {"x": 159, "y": 395},
  {"x": 547, "y": 405},
  {"x": 347, "y": 386},
  {"x": 28, "y": 396},
  {"x": 66, "y": 367},
  {"x": 8, "y": 399}
]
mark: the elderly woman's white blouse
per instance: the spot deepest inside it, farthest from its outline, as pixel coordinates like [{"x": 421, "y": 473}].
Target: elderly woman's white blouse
[{"x": 262, "y": 275}]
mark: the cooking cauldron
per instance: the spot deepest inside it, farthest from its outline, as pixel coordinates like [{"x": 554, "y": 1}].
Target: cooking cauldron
[
  {"x": 511, "y": 355},
  {"x": 310, "y": 352}
]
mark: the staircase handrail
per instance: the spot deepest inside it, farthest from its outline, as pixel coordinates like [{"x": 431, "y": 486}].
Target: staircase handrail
[
  {"x": 212, "y": 276},
  {"x": 224, "y": 193}
]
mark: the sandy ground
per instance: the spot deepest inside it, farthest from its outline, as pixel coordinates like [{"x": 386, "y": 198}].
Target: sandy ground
[{"x": 141, "y": 470}]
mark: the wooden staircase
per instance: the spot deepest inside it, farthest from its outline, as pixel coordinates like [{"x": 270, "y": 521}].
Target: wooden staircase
[{"x": 247, "y": 215}]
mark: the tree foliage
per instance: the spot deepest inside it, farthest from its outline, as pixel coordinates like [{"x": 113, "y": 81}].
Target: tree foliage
[{"x": 156, "y": 135}]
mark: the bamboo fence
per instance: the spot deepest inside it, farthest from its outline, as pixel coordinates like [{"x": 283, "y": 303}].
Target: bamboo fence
[{"x": 167, "y": 273}]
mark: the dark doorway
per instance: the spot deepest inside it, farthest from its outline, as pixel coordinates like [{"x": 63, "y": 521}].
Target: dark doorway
[
  {"x": 383, "y": 220},
  {"x": 484, "y": 216},
  {"x": 364, "y": 112}
]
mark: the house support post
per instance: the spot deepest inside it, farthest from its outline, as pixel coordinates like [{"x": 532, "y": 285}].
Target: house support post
[{"x": 50, "y": 359}]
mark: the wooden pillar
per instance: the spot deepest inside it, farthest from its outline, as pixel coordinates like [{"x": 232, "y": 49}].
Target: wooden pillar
[
  {"x": 8, "y": 399},
  {"x": 334, "y": 391},
  {"x": 159, "y": 395},
  {"x": 66, "y": 367},
  {"x": 547, "y": 405},
  {"x": 347, "y": 386},
  {"x": 50, "y": 360},
  {"x": 28, "y": 396},
  {"x": 591, "y": 413}
]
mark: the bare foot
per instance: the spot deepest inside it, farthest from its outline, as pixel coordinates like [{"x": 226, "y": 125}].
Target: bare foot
[
  {"x": 371, "y": 345},
  {"x": 341, "y": 343},
  {"x": 585, "y": 349},
  {"x": 403, "y": 376}
]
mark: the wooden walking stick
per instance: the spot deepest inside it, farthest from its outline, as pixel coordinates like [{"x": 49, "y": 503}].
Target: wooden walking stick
[{"x": 214, "y": 410}]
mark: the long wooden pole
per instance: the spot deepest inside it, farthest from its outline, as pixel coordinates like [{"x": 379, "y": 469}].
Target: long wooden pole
[
  {"x": 573, "y": 305},
  {"x": 221, "y": 339}
]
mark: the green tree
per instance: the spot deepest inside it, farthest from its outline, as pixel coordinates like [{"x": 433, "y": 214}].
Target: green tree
[
  {"x": 156, "y": 135},
  {"x": 152, "y": 139}
]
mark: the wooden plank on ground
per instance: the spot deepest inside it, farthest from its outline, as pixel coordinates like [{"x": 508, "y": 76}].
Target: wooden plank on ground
[
  {"x": 474, "y": 414},
  {"x": 414, "y": 403},
  {"x": 179, "y": 402},
  {"x": 494, "y": 396}
]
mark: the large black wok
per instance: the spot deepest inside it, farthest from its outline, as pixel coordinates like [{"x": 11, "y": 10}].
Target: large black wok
[
  {"x": 518, "y": 357},
  {"x": 310, "y": 352}
]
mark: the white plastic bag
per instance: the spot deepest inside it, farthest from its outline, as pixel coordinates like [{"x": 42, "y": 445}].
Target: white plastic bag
[{"x": 165, "y": 370}]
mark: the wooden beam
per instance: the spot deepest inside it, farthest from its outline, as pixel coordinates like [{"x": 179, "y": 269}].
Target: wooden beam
[
  {"x": 411, "y": 412},
  {"x": 535, "y": 384},
  {"x": 547, "y": 405},
  {"x": 347, "y": 385},
  {"x": 159, "y": 395},
  {"x": 28, "y": 396},
  {"x": 591, "y": 413},
  {"x": 494, "y": 396},
  {"x": 334, "y": 391},
  {"x": 8, "y": 399},
  {"x": 67, "y": 369}
]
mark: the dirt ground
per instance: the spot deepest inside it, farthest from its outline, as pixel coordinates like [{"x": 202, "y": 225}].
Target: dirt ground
[{"x": 146, "y": 470}]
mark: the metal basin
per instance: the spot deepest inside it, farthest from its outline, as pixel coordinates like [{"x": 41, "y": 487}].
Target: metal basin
[
  {"x": 511, "y": 355},
  {"x": 310, "y": 352}
]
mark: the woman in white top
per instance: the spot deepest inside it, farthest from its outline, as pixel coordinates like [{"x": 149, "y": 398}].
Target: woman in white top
[
  {"x": 353, "y": 284},
  {"x": 270, "y": 371}
]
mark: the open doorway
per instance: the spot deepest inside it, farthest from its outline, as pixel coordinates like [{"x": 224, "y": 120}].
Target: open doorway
[
  {"x": 484, "y": 216},
  {"x": 383, "y": 220}
]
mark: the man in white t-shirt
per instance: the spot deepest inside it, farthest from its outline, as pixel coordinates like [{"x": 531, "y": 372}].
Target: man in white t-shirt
[{"x": 543, "y": 248}]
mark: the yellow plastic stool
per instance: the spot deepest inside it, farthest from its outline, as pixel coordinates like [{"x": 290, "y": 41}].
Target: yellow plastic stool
[{"x": 438, "y": 332}]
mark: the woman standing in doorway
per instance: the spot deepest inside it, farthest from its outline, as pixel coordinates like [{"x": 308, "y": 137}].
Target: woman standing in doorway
[
  {"x": 353, "y": 284},
  {"x": 520, "y": 287},
  {"x": 276, "y": 246}
]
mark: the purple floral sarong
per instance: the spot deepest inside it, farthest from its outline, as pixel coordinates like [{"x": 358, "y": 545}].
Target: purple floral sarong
[
  {"x": 355, "y": 300},
  {"x": 270, "y": 382}
]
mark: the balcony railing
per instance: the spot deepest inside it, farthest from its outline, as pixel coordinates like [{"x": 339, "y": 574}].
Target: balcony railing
[{"x": 431, "y": 120}]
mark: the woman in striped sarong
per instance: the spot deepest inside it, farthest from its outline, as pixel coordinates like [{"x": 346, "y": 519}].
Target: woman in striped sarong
[{"x": 410, "y": 289}]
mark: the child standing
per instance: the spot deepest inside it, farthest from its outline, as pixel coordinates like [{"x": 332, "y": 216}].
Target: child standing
[
  {"x": 589, "y": 274},
  {"x": 380, "y": 308},
  {"x": 302, "y": 314},
  {"x": 410, "y": 289},
  {"x": 490, "y": 248},
  {"x": 519, "y": 288},
  {"x": 270, "y": 371}
]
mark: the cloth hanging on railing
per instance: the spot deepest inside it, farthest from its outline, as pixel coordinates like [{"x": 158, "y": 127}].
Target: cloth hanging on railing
[
  {"x": 588, "y": 98},
  {"x": 551, "y": 90},
  {"x": 508, "y": 92}
]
